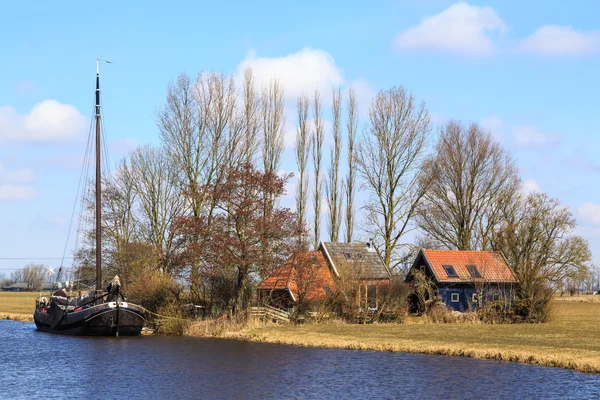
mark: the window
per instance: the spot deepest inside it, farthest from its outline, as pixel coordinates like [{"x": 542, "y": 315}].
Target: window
[
  {"x": 496, "y": 297},
  {"x": 455, "y": 297},
  {"x": 358, "y": 256},
  {"x": 450, "y": 271},
  {"x": 328, "y": 291},
  {"x": 474, "y": 298},
  {"x": 348, "y": 256},
  {"x": 473, "y": 271}
]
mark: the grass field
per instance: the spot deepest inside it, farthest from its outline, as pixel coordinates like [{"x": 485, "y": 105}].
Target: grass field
[
  {"x": 570, "y": 340},
  {"x": 17, "y": 305}
]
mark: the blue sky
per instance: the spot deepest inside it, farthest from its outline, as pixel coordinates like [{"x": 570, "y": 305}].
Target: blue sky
[{"x": 527, "y": 72}]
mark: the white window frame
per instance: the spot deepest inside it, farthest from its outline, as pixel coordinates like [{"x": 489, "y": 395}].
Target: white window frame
[
  {"x": 475, "y": 298},
  {"x": 452, "y": 298},
  {"x": 496, "y": 297}
]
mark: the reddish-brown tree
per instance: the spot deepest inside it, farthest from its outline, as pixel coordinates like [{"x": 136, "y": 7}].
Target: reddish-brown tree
[{"x": 233, "y": 251}]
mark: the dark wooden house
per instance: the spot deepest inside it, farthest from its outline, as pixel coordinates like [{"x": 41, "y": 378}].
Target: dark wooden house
[
  {"x": 466, "y": 278},
  {"x": 358, "y": 263}
]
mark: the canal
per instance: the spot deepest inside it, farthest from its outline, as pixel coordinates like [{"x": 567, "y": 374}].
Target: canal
[{"x": 40, "y": 365}]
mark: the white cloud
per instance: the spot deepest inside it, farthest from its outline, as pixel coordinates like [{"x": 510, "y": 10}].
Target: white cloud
[
  {"x": 461, "y": 28},
  {"x": 16, "y": 192},
  {"x": 590, "y": 212},
  {"x": 304, "y": 70},
  {"x": 48, "y": 121},
  {"x": 530, "y": 136},
  {"x": 553, "y": 40},
  {"x": 23, "y": 175},
  {"x": 494, "y": 125},
  {"x": 529, "y": 186}
]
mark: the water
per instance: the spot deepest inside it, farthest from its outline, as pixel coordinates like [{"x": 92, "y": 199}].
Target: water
[{"x": 40, "y": 365}]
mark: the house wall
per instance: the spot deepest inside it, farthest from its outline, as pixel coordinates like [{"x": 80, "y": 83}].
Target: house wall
[{"x": 492, "y": 292}]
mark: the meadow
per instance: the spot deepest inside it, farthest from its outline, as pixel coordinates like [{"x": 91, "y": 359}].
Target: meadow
[
  {"x": 17, "y": 305},
  {"x": 571, "y": 340}
]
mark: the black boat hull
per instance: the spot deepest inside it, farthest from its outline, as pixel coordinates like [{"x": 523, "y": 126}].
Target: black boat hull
[{"x": 106, "y": 319}]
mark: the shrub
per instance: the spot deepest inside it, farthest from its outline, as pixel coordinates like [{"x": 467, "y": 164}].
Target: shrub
[
  {"x": 153, "y": 289},
  {"x": 171, "y": 321},
  {"x": 439, "y": 313}
]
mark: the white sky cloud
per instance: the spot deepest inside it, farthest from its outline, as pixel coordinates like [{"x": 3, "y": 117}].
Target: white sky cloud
[
  {"x": 554, "y": 40},
  {"x": 48, "y": 121},
  {"x": 23, "y": 175},
  {"x": 16, "y": 192},
  {"x": 530, "y": 136},
  {"x": 461, "y": 28},
  {"x": 305, "y": 70},
  {"x": 495, "y": 125},
  {"x": 530, "y": 186},
  {"x": 590, "y": 212}
]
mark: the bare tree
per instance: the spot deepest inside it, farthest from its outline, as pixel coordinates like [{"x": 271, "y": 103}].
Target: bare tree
[
  {"x": 389, "y": 159},
  {"x": 182, "y": 126},
  {"x": 334, "y": 200},
  {"x": 34, "y": 276},
  {"x": 474, "y": 181},
  {"x": 251, "y": 118},
  {"x": 202, "y": 133},
  {"x": 536, "y": 242},
  {"x": 273, "y": 121},
  {"x": 317, "y": 155},
  {"x": 352, "y": 128},
  {"x": 302, "y": 148},
  {"x": 159, "y": 197}
]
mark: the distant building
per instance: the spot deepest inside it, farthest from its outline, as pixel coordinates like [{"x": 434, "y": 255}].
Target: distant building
[
  {"x": 465, "y": 278},
  {"x": 26, "y": 287}
]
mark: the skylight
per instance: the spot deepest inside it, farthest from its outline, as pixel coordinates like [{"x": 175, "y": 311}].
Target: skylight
[
  {"x": 450, "y": 271},
  {"x": 474, "y": 271}
]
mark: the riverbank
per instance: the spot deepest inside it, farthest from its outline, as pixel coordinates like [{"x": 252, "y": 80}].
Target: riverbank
[{"x": 571, "y": 340}]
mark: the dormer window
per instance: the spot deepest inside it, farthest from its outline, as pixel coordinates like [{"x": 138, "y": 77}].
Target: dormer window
[
  {"x": 474, "y": 271},
  {"x": 358, "y": 256},
  {"x": 348, "y": 256},
  {"x": 450, "y": 271}
]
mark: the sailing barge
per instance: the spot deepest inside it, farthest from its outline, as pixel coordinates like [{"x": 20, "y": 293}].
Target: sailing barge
[{"x": 98, "y": 313}]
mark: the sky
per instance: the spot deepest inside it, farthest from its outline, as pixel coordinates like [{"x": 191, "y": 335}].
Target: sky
[{"x": 526, "y": 71}]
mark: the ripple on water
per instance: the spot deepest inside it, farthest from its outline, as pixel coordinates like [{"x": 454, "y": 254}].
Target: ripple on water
[{"x": 41, "y": 365}]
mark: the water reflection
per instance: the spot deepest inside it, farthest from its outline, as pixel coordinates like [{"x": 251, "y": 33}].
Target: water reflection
[{"x": 40, "y": 365}]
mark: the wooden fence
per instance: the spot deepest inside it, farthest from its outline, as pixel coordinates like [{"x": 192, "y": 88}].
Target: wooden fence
[{"x": 268, "y": 312}]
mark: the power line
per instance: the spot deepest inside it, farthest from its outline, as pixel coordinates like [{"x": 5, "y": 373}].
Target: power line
[{"x": 35, "y": 258}]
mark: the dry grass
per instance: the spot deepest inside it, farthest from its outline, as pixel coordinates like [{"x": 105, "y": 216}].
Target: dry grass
[
  {"x": 18, "y": 302},
  {"x": 571, "y": 340},
  {"x": 582, "y": 298}
]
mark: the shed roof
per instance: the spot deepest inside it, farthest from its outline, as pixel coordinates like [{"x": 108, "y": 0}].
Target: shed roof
[
  {"x": 359, "y": 255},
  {"x": 491, "y": 265},
  {"x": 306, "y": 274}
]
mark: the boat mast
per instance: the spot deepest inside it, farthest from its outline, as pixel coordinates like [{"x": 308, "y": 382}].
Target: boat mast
[{"x": 98, "y": 188}]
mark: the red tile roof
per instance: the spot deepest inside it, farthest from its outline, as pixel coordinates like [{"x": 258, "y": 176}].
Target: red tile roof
[
  {"x": 308, "y": 274},
  {"x": 491, "y": 265}
]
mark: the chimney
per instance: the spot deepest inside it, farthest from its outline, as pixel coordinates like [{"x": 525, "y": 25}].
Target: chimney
[{"x": 370, "y": 245}]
